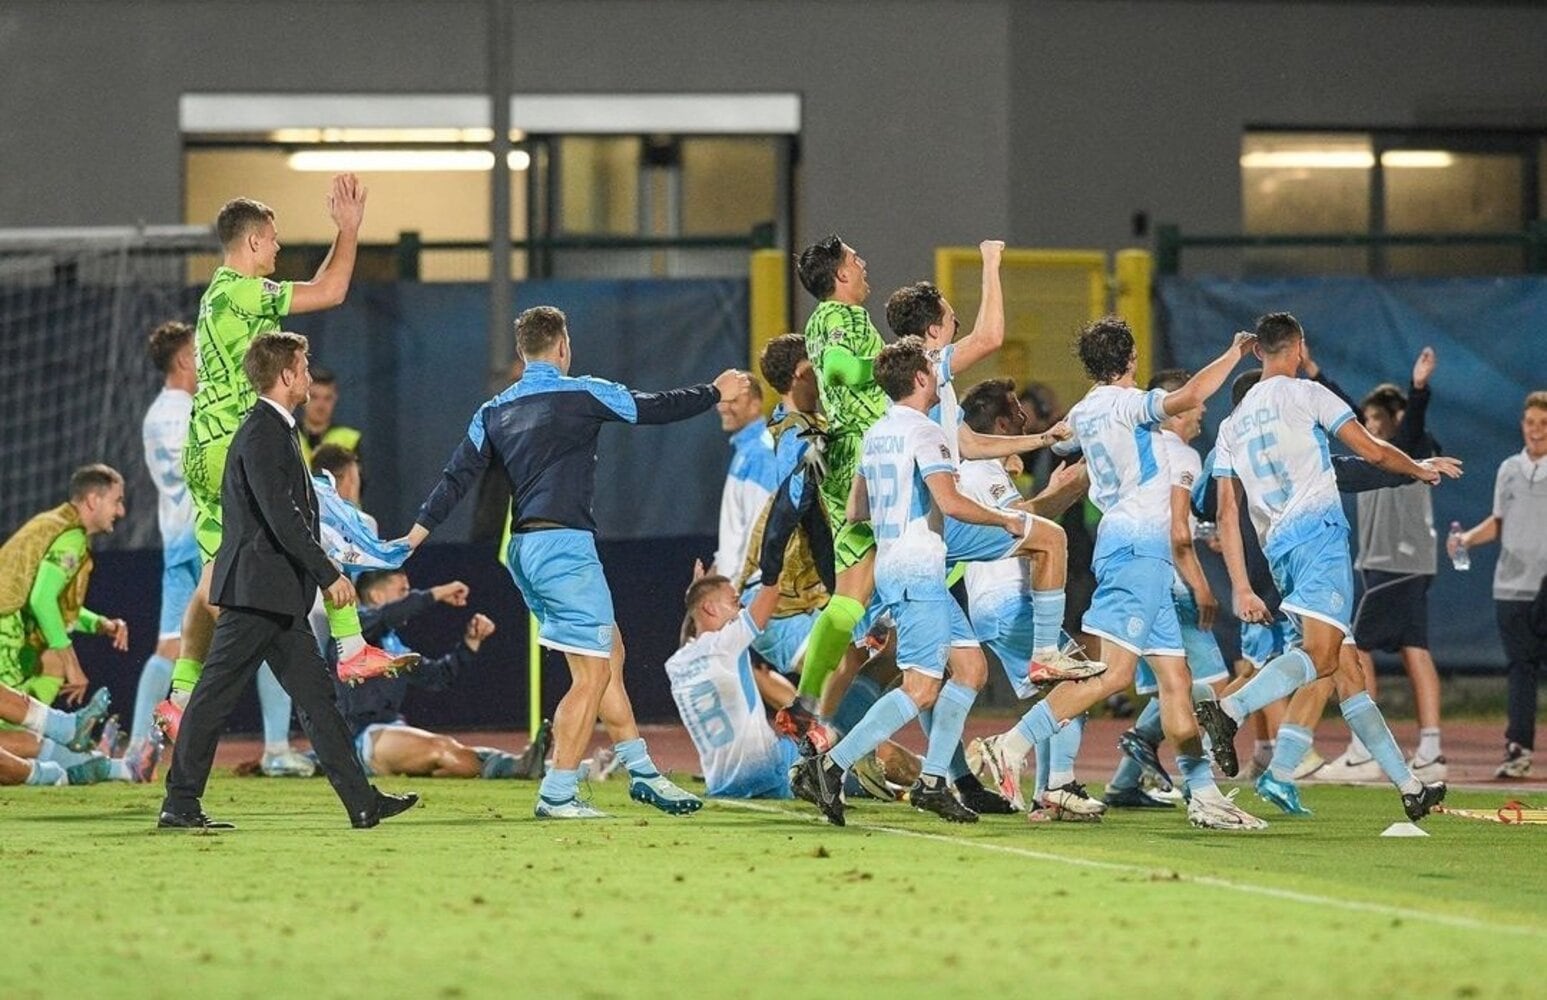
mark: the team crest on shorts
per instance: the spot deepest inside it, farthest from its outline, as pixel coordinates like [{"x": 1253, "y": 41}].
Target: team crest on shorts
[
  {"x": 604, "y": 636},
  {"x": 1134, "y": 627},
  {"x": 1337, "y": 602}
]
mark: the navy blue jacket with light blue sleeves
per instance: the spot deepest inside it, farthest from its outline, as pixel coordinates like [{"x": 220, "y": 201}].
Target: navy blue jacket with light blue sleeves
[{"x": 542, "y": 430}]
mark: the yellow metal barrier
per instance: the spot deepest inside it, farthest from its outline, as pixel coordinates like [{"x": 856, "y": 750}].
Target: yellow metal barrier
[
  {"x": 768, "y": 275},
  {"x": 1134, "y": 271}
]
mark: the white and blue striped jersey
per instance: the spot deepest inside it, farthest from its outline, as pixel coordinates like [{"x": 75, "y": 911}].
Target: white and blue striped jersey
[
  {"x": 164, "y": 431},
  {"x": 712, "y": 684},
  {"x": 986, "y": 481},
  {"x": 1275, "y": 443},
  {"x": 948, "y": 412},
  {"x": 900, "y": 450},
  {"x": 1118, "y": 429}
]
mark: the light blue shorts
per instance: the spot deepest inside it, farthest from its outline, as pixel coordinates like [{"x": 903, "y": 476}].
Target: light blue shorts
[
  {"x": 1004, "y": 626},
  {"x": 976, "y": 542},
  {"x": 178, "y": 582},
  {"x": 1315, "y": 573},
  {"x": 783, "y": 642},
  {"x": 561, "y": 581},
  {"x": 925, "y": 624},
  {"x": 1261, "y": 643},
  {"x": 1132, "y": 606},
  {"x": 1204, "y": 660},
  {"x": 365, "y": 743}
]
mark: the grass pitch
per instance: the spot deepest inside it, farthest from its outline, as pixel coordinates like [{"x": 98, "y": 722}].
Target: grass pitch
[{"x": 469, "y": 897}]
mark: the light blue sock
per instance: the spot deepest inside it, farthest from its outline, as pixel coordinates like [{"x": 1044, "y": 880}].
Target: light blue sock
[
  {"x": 1129, "y": 773},
  {"x": 1063, "y": 748},
  {"x": 559, "y": 786},
  {"x": 275, "y": 704},
  {"x": 1364, "y": 718},
  {"x": 155, "y": 682},
  {"x": 945, "y": 730},
  {"x": 636, "y": 757},
  {"x": 1044, "y": 751},
  {"x": 45, "y": 772},
  {"x": 1197, "y": 775},
  {"x": 1047, "y": 617},
  {"x": 958, "y": 768},
  {"x": 1038, "y": 724},
  {"x": 118, "y": 770},
  {"x": 1279, "y": 679},
  {"x": 1294, "y": 742},
  {"x": 60, "y": 754},
  {"x": 58, "y": 726},
  {"x": 893, "y": 711}
]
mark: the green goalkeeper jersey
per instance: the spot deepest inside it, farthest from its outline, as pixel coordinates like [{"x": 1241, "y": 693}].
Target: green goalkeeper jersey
[
  {"x": 234, "y": 309},
  {"x": 850, "y": 409}
]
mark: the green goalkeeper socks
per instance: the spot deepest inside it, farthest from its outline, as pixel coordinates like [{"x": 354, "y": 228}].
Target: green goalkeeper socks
[
  {"x": 185, "y": 674},
  {"x": 829, "y": 640},
  {"x": 343, "y": 622}
]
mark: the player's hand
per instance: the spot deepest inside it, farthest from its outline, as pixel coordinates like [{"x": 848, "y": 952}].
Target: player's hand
[
  {"x": 69, "y": 666},
  {"x": 479, "y": 628},
  {"x": 1243, "y": 342},
  {"x": 453, "y": 593},
  {"x": 1060, "y": 431},
  {"x": 1423, "y": 368},
  {"x": 1067, "y": 476},
  {"x": 1250, "y": 608},
  {"x": 341, "y": 593},
  {"x": 992, "y": 251},
  {"x": 1208, "y": 609},
  {"x": 732, "y": 384},
  {"x": 1446, "y": 466},
  {"x": 346, "y": 203},
  {"x": 118, "y": 630},
  {"x": 699, "y": 570},
  {"x": 1455, "y": 543}
]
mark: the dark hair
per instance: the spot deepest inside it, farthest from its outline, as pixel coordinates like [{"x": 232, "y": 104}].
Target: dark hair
[
  {"x": 817, "y": 266},
  {"x": 1386, "y": 396},
  {"x": 323, "y": 376},
  {"x": 373, "y": 578},
  {"x": 238, "y": 216},
  {"x": 780, "y": 357},
  {"x": 986, "y": 402},
  {"x": 1276, "y": 331},
  {"x": 334, "y": 458},
  {"x": 538, "y": 329},
  {"x": 1040, "y": 397},
  {"x": 897, "y": 365},
  {"x": 166, "y": 341},
  {"x": 1106, "y": 348},
  {"x": 269, "y": 354},
  {"x": 1242, "y": 385},
  {"x": 698, "y": 592},
  {"x": 913, "y": 309},
  {"x": 1171, "y": 379},
  {"x": 93, "y": 478}
]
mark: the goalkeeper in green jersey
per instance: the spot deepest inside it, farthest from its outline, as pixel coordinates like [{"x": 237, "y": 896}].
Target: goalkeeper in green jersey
[
  {"x": 842, "y": 343},
  {"x": 240, "y": 303}
]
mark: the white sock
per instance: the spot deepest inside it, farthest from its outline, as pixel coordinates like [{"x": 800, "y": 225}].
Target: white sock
[
  {"x": 349, "y": 646},
  {"x": 1428, "y": 745},
  {"x": 180, "y": 698},
  {"x": 1209, "y": 793},
  {"x": 118, "y": 770},
  {"x": 275, "y": 748},
  {"x": 36, "y": 717},
  {"x": 1014, "y": 744},
  {"x": 1058, "y": 779},
  {"x": 1356, "y": 753}
]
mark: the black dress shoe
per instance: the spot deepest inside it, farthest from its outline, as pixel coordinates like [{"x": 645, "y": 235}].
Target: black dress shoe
[
  {"x": 191, "y": 821},
  {"x": 385, "y": 807}
]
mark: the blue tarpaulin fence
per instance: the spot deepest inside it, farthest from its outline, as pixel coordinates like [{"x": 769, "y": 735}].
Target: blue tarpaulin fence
[{"x": 1490, "y": 336}]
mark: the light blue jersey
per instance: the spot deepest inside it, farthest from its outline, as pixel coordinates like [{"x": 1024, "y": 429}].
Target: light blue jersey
[
  {"x": 164, "y": 431},
  {"x": 900, "y": 451},
  {"x": 1118, "y": 429}
]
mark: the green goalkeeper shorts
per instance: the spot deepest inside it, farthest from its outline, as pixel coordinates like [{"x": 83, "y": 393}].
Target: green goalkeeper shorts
[{"x": 204, "y": 466}]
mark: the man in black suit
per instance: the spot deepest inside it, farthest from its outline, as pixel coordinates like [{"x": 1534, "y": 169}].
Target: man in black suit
[{"x": 266, "y": 576}]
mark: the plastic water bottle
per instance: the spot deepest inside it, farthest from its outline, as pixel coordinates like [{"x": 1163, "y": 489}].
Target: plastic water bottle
[{"x": 1462, "y": 560}]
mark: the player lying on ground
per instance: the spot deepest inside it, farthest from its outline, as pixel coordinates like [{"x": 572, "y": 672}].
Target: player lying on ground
[
  {"x": 387, "y": 744},
  {"x": 49, "y": 747},
  {"x": 1274, "y": 448}
]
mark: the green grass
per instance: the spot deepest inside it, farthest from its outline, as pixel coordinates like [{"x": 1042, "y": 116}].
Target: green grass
[{"x": 469, "y": 897}]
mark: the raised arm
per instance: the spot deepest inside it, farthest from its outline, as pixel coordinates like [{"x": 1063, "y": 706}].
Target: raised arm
[
  {"x": 1064, "y": 489},
  {"x": 977, "y": 445},
  {"x": 1209, "y": 378},
  {"x": 987, "y": 334},
  {"x": 1383, "y": 454},
  {"x": 1413, "y": 427},
  {"x": 263, "y": 463},
  {"x": 329, "y": 286}
]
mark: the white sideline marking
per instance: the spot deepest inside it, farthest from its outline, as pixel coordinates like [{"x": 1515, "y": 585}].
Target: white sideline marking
[{"x": 1382, "y": 909}]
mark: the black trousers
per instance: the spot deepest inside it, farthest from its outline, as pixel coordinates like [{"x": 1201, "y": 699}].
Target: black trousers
[
  {"x": 1527, "y": 654},
  {"x": 243, "y": 640}
]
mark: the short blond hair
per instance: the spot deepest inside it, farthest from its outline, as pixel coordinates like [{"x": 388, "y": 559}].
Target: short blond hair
[{"x": 1537, "y": 400}]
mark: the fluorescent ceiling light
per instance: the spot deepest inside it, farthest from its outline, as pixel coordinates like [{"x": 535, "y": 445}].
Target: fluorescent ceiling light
[
  {"x": 397, "y": 160},
  {"x": 369, "y": 135},
  {"x": 1343, "y": 159}
]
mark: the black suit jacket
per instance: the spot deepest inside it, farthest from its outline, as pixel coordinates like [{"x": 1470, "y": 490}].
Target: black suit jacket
[{"x": 269, "y": 558}]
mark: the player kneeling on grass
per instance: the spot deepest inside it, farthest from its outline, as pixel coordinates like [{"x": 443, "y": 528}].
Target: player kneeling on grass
[{"x": 386, "y": 743}]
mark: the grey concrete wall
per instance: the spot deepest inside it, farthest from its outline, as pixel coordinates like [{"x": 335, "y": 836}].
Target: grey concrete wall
[{"x": 1125, "y": 106}]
